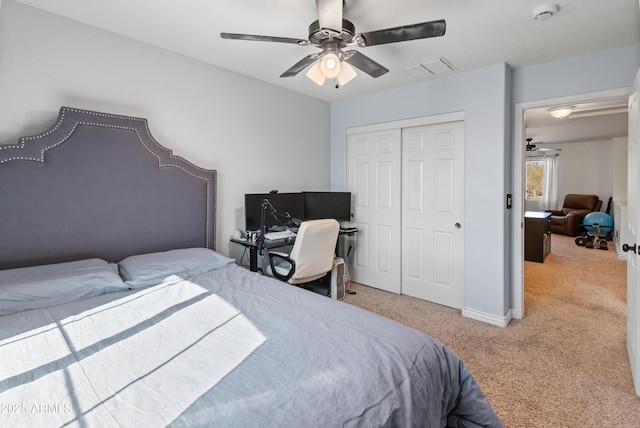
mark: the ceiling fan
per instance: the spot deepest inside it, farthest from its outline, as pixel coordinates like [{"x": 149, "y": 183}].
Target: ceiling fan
[
  {"x": 332, "y": 33},
  {"x": 533, "y": 147}
]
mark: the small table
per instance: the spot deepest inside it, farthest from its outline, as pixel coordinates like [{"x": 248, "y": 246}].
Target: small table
[
  {"x": 537, "y": 236},
  {"x": 266, "y": 245}
]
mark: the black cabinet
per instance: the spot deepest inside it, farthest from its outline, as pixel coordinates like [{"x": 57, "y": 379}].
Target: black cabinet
[{"x": 537, "y": 236}]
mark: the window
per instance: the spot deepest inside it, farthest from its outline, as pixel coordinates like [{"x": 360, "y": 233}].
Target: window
[{"x": 535, "y": 179}]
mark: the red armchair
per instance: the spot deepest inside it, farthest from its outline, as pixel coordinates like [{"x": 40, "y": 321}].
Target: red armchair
[{"x": 568, "y": 220}]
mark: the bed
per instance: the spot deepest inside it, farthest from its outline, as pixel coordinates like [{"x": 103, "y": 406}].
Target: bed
[{"x": 116, "y": 310}]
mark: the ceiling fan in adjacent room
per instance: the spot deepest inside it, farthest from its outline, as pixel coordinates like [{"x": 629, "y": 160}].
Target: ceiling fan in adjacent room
[
  {"x": 531, "y": 147},
  {"x": 332, "y": 33}
]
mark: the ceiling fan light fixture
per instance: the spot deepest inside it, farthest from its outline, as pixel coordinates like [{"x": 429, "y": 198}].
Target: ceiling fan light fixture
[
  {"x": 315, "y": 74},
  {"x": 347, "y": 73},
  {"x": 561, "y": 112},
  {"x": 330, "y": 65}
]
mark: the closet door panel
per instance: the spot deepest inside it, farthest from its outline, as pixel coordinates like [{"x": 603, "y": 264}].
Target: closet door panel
[
  {"x": 432, "y": 213},
  {"x": 373, "y": 176}
]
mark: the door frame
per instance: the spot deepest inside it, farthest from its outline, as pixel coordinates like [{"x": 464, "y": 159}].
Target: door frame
[
  {"x": 407, "y": 123},
  {"x": 519, "y": 161}
]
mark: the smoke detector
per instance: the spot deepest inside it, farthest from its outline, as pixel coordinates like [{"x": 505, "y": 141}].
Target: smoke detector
[{"x": 544, "y": 12}]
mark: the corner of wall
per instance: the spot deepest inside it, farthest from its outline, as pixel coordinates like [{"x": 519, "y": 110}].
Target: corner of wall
[{"x": 502, "y": 321}]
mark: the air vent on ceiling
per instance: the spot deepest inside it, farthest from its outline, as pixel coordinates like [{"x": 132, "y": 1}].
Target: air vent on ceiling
[{"x": 430, "y": 68}]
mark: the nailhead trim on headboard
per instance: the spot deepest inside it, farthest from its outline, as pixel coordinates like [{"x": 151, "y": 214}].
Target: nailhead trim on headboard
[{"x": 27, "y": 150}]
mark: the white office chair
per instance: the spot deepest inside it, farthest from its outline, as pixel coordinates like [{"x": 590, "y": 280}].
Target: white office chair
[{"x": 312, "y": 254}]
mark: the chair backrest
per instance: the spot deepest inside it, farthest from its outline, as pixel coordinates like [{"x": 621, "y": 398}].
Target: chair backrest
[
  {"x": 581, "y": 202},
  {"x": 314, "y": 249}
]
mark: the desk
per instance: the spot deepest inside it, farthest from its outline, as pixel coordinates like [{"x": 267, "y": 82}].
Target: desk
[
  {"x": 253, "y": 248},
  {"x": 277, "y": 243}
]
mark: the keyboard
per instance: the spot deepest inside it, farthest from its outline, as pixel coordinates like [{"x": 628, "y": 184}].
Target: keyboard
[{"x": 284, "y": 234}]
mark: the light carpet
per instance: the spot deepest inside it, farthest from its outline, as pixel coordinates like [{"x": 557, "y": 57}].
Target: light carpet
[{"x": 565, "y": 364}]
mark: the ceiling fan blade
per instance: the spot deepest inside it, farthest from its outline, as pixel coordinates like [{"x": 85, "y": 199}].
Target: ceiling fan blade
[
  {"x": 364, "y": 63},
  {"x": 301, "y": 65},
  {"x": 330, "y": 14},
  {"x": 407, "y": 32},
  {"x": 255, "y": 38}
]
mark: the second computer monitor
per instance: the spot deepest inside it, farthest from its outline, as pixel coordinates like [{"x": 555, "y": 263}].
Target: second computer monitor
[{"x": 327, "y": 205}]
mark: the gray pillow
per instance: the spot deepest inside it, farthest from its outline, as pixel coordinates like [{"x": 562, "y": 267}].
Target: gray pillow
[
  {"x": 50, "y": 285},
  {"x": 150, "y": 269}
]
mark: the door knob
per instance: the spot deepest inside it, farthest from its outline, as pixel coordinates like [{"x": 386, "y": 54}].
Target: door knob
[
  {"x": 627, "y": 247},
  {"x": 458, "y": 225}
]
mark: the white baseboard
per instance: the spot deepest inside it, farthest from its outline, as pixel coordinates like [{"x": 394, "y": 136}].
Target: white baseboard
[{"x": 486, "y": 317}]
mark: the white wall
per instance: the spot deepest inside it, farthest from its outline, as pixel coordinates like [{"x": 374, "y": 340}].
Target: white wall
[
  {"x": 213, "y": 117},
  {"x": 532, "y": 205},
  {"x": 482, "y": 95},
  {"x": 592, "y": 167},
  {"x": 620, "y": 167},
  {"x": 584, "y": 167}
]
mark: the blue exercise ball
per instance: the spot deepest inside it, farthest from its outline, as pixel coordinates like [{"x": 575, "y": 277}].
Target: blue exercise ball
[{"x": 604, "y": 220}]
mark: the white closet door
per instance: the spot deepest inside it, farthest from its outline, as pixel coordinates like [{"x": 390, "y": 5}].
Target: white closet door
[
  {"x": 373, "y": 177},
  {"x": 432, "y": 213}
]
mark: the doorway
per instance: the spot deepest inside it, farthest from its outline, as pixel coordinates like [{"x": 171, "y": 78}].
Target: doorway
[{"x": 519, "y": 156}]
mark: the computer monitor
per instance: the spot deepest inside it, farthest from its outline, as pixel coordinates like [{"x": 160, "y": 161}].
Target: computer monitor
[
  {"x": 291, "y": 203},
  {"x": 327, "y": 205}
]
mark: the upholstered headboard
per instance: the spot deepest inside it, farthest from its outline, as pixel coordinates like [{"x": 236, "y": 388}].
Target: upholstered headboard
[{"x": 99, "y": 185}]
